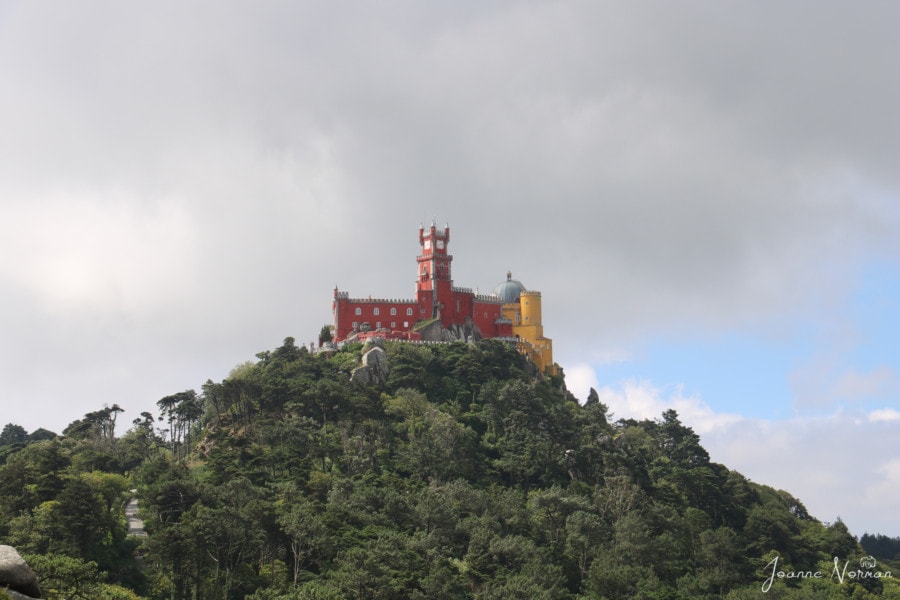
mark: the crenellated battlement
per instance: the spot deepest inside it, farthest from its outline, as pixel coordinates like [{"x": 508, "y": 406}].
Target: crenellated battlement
[
  {"x": 487, "y": 299},
  {"x": 382, "y": 301}
]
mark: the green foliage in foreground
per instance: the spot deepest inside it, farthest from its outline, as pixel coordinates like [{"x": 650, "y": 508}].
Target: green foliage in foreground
[{"x": 465, "y": 476}]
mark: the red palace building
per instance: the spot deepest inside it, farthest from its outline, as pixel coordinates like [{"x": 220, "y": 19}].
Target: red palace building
[{"x": 510, "y": 311}]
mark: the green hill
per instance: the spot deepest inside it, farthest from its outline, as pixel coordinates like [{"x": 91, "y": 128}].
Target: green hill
[{"x": 438, "y": 471}]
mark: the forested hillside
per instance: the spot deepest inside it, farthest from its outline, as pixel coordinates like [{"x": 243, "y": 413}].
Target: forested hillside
[{"x": 461, "y": 474}]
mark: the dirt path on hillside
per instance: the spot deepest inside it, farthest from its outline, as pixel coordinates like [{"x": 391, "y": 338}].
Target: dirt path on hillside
[{"x": 135, "y": 524}]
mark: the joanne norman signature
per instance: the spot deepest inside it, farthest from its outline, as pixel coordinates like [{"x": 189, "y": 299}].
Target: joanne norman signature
[{"x": 839, "y": 572}]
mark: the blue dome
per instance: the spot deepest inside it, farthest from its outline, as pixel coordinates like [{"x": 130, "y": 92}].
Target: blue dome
[{"x": 509, "y": 290}]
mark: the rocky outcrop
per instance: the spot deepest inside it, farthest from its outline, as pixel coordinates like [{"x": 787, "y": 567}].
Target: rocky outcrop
[
  {"x": 17, "y": 576},
  {"x": 431, "y": 332},
  {"x": 435, "y": 332},
  {"x": 467, "y": 332},
  {"x": 374, "y": 369}
]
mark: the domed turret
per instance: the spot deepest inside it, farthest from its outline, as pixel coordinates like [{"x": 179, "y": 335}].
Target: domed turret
[{"x": 509, "y": 290}]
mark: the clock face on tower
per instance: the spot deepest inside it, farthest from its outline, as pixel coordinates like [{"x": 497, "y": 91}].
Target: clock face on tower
[
  {"x": 440, "y": 244},
  {"x": 427, "y": 244}
]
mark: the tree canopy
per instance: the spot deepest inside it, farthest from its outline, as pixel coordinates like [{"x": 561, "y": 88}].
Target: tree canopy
[{"x": 465, "y": 474}]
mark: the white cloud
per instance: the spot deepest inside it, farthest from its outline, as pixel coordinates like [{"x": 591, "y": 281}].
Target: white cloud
[
  {"x": 884, "y": 414},
  {"x": 580, "y": 378},
  {"x": 831, "y": 463},
  {"x": 825, "y": 381},
  {"x": 97, "y": 252},
  {"x": 880, "y": 495},
  {"x": 642, "y": 400},
  {"x": 855, "y": 384}
]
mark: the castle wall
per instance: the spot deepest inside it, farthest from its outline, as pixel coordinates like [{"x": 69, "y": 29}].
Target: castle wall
[
  {"x": 486, "y": 314},
  {"x": 457, "y": 307},
  {"x": 359, "y": 314}
]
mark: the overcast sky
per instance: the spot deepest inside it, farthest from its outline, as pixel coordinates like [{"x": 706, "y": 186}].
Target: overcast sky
[{"x": 707, "y": 194}]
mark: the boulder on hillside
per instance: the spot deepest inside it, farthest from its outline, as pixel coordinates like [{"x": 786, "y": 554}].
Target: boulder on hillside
[
  {"x": 432, "y": 332},
  {"x": 16, "y": 575},
  {"x": 374, "y": 367},
  {"x": 463, "y": 332}
]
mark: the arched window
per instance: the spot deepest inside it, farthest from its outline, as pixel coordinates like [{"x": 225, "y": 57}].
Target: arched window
[
  {"x": 358, "y": 311},
  {"x": 409, "y": 312},
  {"x": 376, "y": 311},
  {"x": 393, "y": 311}
]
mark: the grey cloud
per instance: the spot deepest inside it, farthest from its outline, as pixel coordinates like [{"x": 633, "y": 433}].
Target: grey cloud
[{"x": 656, "y": 166}]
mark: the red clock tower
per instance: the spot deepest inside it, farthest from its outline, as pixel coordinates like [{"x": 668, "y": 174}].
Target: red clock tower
[{"x": 434, "y": 284}]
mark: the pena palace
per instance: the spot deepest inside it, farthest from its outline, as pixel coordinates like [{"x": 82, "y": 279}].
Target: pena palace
[{"x": 441, "y": 311}]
